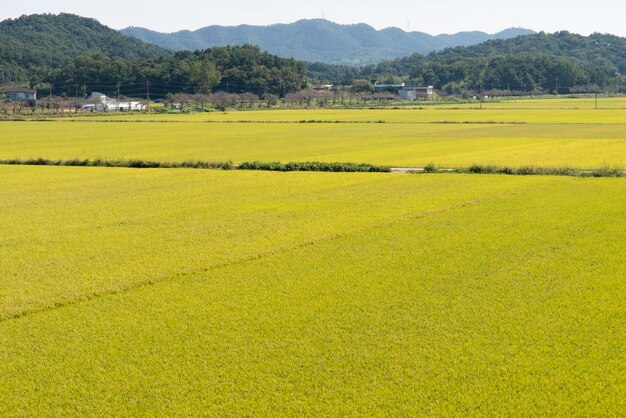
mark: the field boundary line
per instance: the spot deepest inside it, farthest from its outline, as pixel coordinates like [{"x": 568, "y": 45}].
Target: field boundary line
[
  {"x": 308, "y": 121},
  {"x": 328, "y": 167}
]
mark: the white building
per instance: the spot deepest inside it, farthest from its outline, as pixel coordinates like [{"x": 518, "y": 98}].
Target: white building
[
  {"x": 323, "y": 87},
  {"x": 412, "y": 93},
  {"x": 98, "y": 98},
  {"x": 130, "y": 106},
  {"x": 21, "y": 94},
  {"x": 99, "y": 102}
]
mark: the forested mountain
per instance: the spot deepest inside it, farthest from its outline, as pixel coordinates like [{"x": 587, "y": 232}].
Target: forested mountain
[
  {"x": 74, "y": 55},
  {"x": 319, "y": 40},
  {"x": 597, "y": 49},
  {"x": 33, "y": 43},
  {"x": 536, "y": 62}
]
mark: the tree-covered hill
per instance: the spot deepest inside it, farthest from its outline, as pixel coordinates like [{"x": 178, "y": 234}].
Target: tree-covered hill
[
  {"x": 71, "y": 54},
  {"x": 32, "y": 43},
  {"x": 598, "y": 49},
  {"x": 319, "y": 40},
  {"x": 543, "y": 62}
]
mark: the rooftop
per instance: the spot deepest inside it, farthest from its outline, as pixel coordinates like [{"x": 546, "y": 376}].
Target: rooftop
[{"x": 20, "y": 90}]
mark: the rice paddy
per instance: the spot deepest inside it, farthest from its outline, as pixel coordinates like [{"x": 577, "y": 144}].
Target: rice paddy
[
  {"x": 400, "y": 145},
  {"x": 206, "y": 292}
]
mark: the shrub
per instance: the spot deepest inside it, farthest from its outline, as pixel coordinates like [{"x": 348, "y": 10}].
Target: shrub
[{"x": 313, "y": 166}]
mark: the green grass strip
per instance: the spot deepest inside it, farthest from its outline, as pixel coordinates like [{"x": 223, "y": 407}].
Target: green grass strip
[
  {"x": 214, "y": 165},
  {"x": 528, "y": 171},
  {"x": 133, "y": 163},
  {"x": 324, "y": 167},
  {"x": 314, "y": 166}
]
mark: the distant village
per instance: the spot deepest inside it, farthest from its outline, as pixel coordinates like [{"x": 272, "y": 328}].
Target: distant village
[{"x": 99, "y": 102}]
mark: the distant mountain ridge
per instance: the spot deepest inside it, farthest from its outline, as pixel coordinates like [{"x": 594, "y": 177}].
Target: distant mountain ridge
[{"x": 319, "y": 40}]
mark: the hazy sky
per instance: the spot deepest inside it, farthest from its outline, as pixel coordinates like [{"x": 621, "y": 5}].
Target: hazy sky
[{"x": 440, "y": 16}]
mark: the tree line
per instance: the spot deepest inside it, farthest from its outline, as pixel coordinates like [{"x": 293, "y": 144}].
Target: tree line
[{"x": 233, "y": 69}]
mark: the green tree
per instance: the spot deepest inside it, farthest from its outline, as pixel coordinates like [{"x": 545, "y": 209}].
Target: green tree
[
  {"x": 361, "y": 86},
  {"x": 203, "y": 76}
]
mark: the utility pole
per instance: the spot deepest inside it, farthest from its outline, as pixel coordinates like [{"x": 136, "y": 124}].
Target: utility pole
[
  {"x": 148, "y": 95},
  {"x": 76, "y": 98},
  {"x": 118, "y": 90},
  {"x": 596, "y": 100},
  {"x": 557, "y": 86},
  {"x": 482, "y": 95}
]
